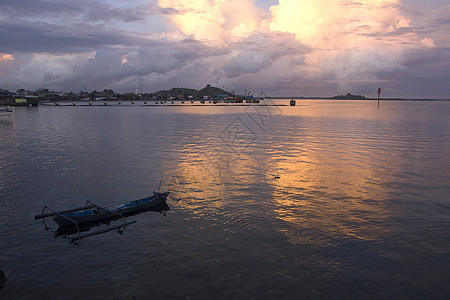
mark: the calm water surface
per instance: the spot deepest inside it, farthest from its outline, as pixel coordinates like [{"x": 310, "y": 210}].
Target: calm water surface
[{"x": 327, "y": 199}]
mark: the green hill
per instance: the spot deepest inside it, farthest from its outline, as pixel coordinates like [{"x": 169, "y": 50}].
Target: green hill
[{"x": 181, "y": 93}]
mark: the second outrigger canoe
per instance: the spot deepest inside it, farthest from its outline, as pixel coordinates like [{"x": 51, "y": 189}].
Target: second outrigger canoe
[{"x": 93, "y": 213}]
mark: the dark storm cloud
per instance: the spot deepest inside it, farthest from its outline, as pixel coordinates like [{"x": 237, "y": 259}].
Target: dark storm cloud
[
  {"x": 44, "y": 37},
  {"x": 64, "y": 55},
  {"x": 151, "y": 58},
  {"x": 429, "y": 64},
  {"x": 85, "y": 10},
  {"x": 65, "y": 26},
  {"x": 426, "y": 69},
  {"x": 262, "y": 51}
]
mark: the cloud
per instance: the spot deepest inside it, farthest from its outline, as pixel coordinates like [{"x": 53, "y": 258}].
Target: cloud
[
  {"x": 353, "y": 42},
  {"x": 118, "y": 67},
  {"x": 428, "y": 42},
  {"x": 306, "y": 47},
  {"x": 248, "y": 62},
  {"x": 86, "y": 11},
  {"x": 6, "y": 64},
  {"x": 214, "y": 22},
  {"x": 37, "y": 37},
  {"x": 5, "y": 57},
  {"x": 336, "y": 24},
  {"x": 269, "y": 60},
  {"x": 348, "y": 43}
]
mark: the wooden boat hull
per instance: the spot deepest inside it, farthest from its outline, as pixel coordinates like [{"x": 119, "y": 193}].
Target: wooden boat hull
[{"x": 96, "y": 215}]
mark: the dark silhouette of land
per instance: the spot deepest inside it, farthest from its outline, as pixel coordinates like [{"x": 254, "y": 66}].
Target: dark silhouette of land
[{"x": 26, "y": 97}]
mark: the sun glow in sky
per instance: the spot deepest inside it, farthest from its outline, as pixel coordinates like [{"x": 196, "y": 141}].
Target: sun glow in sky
[
  {"x": 337, "y": 24},
  {"x": 286, "y": 47}
]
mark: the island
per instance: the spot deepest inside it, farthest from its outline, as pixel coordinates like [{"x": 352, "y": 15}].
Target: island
[{"x": 350, "y": 97}]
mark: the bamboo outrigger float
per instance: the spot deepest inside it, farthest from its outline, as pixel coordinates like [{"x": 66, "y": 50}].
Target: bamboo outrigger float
[{"x": 92, "y": 213}]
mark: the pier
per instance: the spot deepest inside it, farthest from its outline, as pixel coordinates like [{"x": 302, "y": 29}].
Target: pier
[
  {"x": 21, "y": 102},
  {"x": 118, "y": 102}
]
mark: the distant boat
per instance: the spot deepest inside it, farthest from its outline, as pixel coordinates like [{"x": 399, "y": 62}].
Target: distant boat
[
  {"x": 261, "y": 96},
  {"x": 6, "y": 110}
]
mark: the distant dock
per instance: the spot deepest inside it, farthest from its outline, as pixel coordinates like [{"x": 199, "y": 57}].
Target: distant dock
[
  {"x": 21, "y": 102},
  {"x": 115, "y": 102}
]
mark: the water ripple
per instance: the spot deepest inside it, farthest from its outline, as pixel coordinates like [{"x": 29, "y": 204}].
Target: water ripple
[{"x": 328, "y": 199}]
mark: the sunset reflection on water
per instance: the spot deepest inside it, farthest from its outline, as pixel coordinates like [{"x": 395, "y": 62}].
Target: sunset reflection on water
[
  {"x": 322, "y": 200},
  {"x": 319, "y": 179},
  {"x": 330, "y": 178}
]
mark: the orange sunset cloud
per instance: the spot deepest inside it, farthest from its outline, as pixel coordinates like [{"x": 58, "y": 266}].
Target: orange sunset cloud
[{"x": 6, "y": 57}]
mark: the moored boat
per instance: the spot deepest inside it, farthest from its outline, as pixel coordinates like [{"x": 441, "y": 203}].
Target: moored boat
[
  {"x": 6, "y": 109},
  {"x": 93, "y": 213}
]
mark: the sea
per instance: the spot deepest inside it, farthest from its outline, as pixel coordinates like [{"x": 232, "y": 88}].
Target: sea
[{"x": 327, "y": 199}]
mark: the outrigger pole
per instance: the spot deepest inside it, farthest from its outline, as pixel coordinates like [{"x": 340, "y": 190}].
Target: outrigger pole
[
  {"x": 53, "y": 213},
  {"x": 87, "y": 234},
  {"x": 159, "y": 185}
]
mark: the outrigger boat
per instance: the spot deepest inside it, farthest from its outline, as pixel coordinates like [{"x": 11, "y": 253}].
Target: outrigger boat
[{"x": 92, "y": 213}]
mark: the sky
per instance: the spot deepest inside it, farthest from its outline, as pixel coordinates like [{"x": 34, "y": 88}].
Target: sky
[{"x": 277, "y": 47}]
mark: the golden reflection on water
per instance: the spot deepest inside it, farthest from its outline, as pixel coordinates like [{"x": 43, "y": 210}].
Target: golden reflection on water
[
  {"x": 330, "y": 182},
  {"x": 335, "y": 202},
  {"x": 333, "y": 174}
]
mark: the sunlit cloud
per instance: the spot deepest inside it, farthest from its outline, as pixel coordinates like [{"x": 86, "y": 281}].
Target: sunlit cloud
[
  {"x": 6, "y": 57},
  {"x": 350, "y": 42},
  {"x": 428, "y": 42},
  {"x": 338, "y": 24},
  {"x": 286, "y": 47},
  {"x": 214, "y": 22},
  {"x": 353, "y": 42},
  {"x": 6, "y": 65}
]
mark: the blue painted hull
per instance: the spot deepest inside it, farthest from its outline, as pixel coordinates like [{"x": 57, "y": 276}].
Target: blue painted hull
[{"x": 96, "y": 215}]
